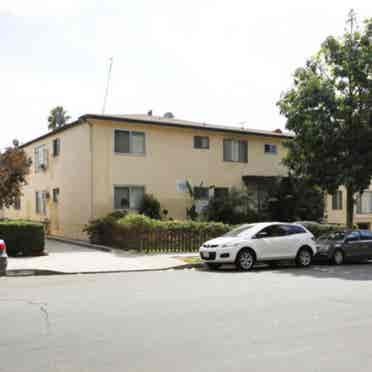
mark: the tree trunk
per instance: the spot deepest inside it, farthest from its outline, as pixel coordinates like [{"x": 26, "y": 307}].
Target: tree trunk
[{"x": 349, "y": 206}]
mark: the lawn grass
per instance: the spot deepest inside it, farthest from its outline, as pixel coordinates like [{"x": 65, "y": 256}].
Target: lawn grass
[{"x": 191, "y": 259}]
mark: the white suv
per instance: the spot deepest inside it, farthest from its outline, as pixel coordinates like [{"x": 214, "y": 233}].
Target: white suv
[{"x": 264, "y": 242}]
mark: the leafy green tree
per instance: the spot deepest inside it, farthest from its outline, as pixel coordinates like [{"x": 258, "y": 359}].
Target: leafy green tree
[
  {"x": 14, "y": 167},
  {"x": 293, "y": 199},
  {"x": 57, "y": 118},
  {"x": 329, "y": 108}
]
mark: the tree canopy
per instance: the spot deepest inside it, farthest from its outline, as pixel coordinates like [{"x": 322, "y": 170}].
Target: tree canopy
[
  {"x": 329, "y": 108},
  {"x": 57, "y": 118},
  {"x": 14, "y": 167}
]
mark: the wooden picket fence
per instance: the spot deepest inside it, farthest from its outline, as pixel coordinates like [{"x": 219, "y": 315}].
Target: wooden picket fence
[{"x": 161, "y": 241}]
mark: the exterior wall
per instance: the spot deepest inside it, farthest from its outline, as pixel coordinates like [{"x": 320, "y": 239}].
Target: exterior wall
[
  {"x": 169, "y": 157},
  {"x": 339, "y": 216},
  {"x": 70, "y": 172}
]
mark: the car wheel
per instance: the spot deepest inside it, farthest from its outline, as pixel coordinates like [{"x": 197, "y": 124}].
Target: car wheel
[
  {"x": 245, "y": 260},
  {"x": 304, "y": 257},
  {"x": 213, "y": 266},
  {"x": 338, "y": 257}
]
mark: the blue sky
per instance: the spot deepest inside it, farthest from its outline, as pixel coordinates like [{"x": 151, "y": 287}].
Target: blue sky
[{"x": 222, "y": 62}]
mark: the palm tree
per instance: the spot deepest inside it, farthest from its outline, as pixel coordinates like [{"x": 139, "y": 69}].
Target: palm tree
[{"x": 57, "y": 118}]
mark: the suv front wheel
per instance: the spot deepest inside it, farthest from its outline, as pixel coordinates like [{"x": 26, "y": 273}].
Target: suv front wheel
[{"x": 245, "y": 260}]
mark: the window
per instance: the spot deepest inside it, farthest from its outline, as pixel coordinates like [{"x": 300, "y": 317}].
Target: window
[
  {"x": 201, "y": 193},
  {"x": 127, "y": 142},
  {"x": 364, "y": 203},
  {"x": 353, "y": 236},
  {"x": 221, "y": 192},
  {"x": 41, "y": 158},
  {"x": 294, "y": 229},
  {"x": 17, "y": 203},
  {"x": 128, "y": 197},
  {"x": 337, "y": 200},
  {"x": 274, "y": 231},
  {"x": 201, "y": 142},
  {"x": 270, "y": 149},
  {"x": 366, "y": 235},
  {"x": 235, "y": 150},
  {"x": 40, "y": 202},
  {"x": 56, "y": 147},
  {"x": 56, "y": 195}
]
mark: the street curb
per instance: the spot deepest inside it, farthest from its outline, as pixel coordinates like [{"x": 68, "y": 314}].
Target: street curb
[
  {"x": 81, "y": 243},
  {"x": 36, "y": 272}
]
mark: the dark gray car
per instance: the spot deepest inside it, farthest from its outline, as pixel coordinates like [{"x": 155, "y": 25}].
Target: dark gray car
[{"x": 345, "y": 245}]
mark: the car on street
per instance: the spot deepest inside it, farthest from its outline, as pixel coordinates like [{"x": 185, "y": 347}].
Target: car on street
[
  {"x": 3, "y": 258},
  {"x": 345, "y": 245},
  {"x": 268, "y": 242}
]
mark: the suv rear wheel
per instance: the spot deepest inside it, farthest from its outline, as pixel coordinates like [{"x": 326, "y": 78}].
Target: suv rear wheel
[{"x": 304, "y": 257}]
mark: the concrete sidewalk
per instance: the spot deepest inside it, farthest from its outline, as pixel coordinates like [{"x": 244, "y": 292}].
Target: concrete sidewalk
[{"x": 66, "y": 258}]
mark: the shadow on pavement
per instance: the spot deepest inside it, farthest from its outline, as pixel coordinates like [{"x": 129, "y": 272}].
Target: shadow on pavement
[{"x": 353, "y": 271}]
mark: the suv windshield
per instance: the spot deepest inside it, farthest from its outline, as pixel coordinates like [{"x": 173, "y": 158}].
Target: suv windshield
[
  {"x": 239, "y": 231},
  {"x": 338, "y": 235}
]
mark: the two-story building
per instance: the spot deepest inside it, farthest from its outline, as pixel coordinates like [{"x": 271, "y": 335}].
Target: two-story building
[
  {"x": 336, "y": 208},
  {"x": 100, "y": 163}
]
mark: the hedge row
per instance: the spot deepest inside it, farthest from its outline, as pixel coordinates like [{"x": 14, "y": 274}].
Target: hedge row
[
  {"x": 135, "y": 231},
  {"x": 23, "y": 237}
]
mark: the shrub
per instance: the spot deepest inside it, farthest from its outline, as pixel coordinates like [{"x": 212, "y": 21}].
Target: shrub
[
  {"x": 97, "y": 229},
  {"x": 23, "y": 237},
  {"x": 235, "y": 208},
  {"x": 318, "y": 229},
  {"x": 151, "y": 207}
]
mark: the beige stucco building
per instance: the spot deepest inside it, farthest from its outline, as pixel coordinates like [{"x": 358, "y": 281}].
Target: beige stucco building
[
  {"x": 336, "y": 208},
  {"x": 100, "y": 163}
]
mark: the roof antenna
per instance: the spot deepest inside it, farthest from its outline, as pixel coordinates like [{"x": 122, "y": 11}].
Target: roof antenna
[
  {"x": 107, "y": 84},
  {"x": 242, "y": 124}
]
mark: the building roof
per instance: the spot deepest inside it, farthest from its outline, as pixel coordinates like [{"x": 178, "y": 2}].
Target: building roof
[
  {"x": 174, "y": 122},
  {"x": 164, "y": 121}
]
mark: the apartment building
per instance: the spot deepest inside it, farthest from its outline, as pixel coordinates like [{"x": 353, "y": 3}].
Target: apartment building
[
  {"x": 101, "y": 163},
  {"x": 336, "y": 208}
]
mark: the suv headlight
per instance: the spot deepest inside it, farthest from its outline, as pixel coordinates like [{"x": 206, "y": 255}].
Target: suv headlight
[{"x": 230, "y": 245}]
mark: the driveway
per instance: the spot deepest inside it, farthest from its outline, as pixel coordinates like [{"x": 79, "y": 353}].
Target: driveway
[{"x": 69, "y": 258}]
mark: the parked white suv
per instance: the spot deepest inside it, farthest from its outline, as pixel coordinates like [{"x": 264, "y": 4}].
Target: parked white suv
[{"x": 260, "y": 242}]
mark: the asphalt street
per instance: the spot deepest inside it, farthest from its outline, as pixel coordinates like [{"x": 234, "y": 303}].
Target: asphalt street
[{"x": 287, "y": 319}]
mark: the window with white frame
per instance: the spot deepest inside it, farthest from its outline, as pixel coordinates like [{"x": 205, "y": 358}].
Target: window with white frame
[
  {"x": 337, "y": 200},
  {"x": 270, "y": 148},
  {"x": 128, "y": 197},
  {"x": 235, "y": 150},
  {"x": 129, "y": 142},
  {"x": 364, "y": 203},
  {"x": 41, "y": 158},
  {"x": 40, "y": 200}
]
